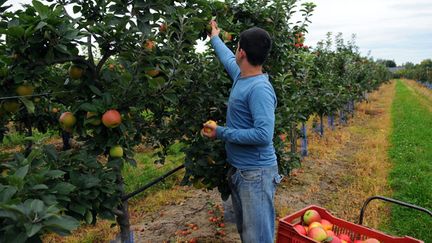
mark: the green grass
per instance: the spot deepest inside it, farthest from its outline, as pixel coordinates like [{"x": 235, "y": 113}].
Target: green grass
[
  {"x": 147, "y": 170},
  {"x": 14, "y": 139},
  {"x": 411, "y": 155}
]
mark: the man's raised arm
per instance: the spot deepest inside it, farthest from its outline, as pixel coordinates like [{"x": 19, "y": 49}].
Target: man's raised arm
[{"x": 225, "y": 55}]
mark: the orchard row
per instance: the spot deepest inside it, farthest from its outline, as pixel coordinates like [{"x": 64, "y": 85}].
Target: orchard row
[{"x": 115, "y": 74}]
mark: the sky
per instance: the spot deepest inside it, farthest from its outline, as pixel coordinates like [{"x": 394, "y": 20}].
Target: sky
[{"x": 399, "y": 30}]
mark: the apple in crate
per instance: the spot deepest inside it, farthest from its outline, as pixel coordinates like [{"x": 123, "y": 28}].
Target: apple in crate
[
  {"x": 300, "y": 229},
  {"x": 311, "y": 216},
  {"x": 330, "y": 233},
  {"x": 315, "y": 224},
  {"x": 345, "y": 238},
  {"x": 333, "y": 239},
  {"x": 371, "y": 240},
  {"x": 326, "y": 224},
  {"x": 358, "y": 241},
  {"x": 317, "y": 233}
]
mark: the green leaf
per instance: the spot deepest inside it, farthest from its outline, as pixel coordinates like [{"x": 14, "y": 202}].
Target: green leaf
[
  {"x": 28, "y": 104},
  {"x": 7, "y": 193},
  {"x": 91, "y": 181},
  {"x": 40, "y": 187},
  {"x": 51, "y": 152},
  {"x": 55, "y": 174},
  {"x": 16, "y": 31},
  {"x": 29, "y": 31},
  {"x": 78, "y": 208},
  {"x": 156, "y": 83},
  {"x": 171, "y": 97},
  {"x": 76, "y": 9},
  {"x": 37, "y": 206},
  {"x": 33, "y": 229},
  {"x": 95, "y": 90},
  {"x": 88, "y": 107},
  {"x": 107, "y": 99},
  {"x": 40, "y": 25},
  {"x": 62, "y": 48},
  {"x": 12, "y": 209},
  {"x": 42, "y": 10},
  {"x": 63, "y": 188},
  {"x": 8, "y": 214},
  {"x": 22, "y": 172},
  {"x": 71, "y": 34},
  {"x": 62, "y": 225},
  {"x": 89, "y": 217}
]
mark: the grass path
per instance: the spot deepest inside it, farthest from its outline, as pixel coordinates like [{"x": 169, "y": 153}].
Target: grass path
[
  {"x": 347, "y": 166},
  {"x": 411, "y": 154}
]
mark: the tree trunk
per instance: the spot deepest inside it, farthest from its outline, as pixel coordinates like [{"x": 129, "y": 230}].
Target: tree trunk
[
  {"x": 66, "y": 140},
  {"x": 304, "y": 144},
  {"x": 342, "y": 118},
  {"x": 293, "y": 138},
  {"x": 330, "y": 119},
  {"x": 123, "y": 215},
  {"x": 321, "y": 125},
  {"x": 29, "y": 133}
]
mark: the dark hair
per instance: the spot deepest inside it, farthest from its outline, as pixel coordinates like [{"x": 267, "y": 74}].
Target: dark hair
[{"x": 256, "y": 42}]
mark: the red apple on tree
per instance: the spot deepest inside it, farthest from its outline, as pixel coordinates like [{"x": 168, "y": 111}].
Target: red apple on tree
[
  {"x": 149, "y": 45},
  {"x": 163, "y": 27},
  {"x": 111, "y": 118},
  {"x": 227, "y": 37},
  {"x": 67, "y": 120}
]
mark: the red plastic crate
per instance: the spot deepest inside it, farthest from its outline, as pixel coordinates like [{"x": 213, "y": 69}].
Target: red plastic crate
[{"x": 287, "y": 234}]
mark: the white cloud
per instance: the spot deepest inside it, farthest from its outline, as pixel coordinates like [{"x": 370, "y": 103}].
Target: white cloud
[{"x": 392, "y": 29}]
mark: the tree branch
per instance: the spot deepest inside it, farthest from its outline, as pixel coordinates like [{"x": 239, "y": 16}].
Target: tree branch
[
  {"x": 89, "y": 46},
  {"x": 103, "y": 60},
  {"x": 77, "y": 59}
]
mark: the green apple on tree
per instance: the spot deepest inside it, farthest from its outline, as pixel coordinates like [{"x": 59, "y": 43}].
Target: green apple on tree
[{"x": 116, "y": 151}]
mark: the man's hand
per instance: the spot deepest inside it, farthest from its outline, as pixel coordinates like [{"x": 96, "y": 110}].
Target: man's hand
[
  {"x": 209, "y": 130},
  {"x": 215, "y": 30}
]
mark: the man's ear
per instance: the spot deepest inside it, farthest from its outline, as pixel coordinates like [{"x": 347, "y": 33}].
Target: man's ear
[{"x": 242, "y": 53}]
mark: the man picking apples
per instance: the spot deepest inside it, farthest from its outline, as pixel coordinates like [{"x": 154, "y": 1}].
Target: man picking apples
[{"x": 248, "y": 134}]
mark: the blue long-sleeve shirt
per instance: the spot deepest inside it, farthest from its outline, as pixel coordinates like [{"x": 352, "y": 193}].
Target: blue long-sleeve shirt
[{"x": 250, "y": 120}]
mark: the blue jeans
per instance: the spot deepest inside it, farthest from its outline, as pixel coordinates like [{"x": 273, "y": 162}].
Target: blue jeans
[{"x": 252, "y": 194}]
